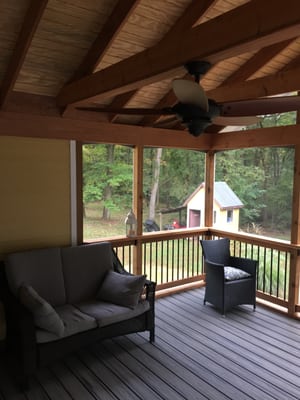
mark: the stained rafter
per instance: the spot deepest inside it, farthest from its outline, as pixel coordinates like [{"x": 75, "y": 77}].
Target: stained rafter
[
  {"x": 120, "y": 14},
  {"x": 192, "y": 14},
  {"x": 258, "y": 26},
  {"x": 31, "y": 21}
]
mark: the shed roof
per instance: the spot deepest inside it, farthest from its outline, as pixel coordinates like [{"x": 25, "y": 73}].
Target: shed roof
[{"x": 223, "y": 195}]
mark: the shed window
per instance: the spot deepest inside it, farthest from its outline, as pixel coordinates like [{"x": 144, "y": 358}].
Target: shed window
[{"x": 229, "y": 215}]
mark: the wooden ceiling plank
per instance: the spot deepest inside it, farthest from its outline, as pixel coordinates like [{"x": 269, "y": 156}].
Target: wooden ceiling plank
[
  {"x": 192, "y": 14},
  {"x": 30, "y": 24},
  {"x": 257, "y": 24},
  {"x": 282, "y": 82},
  {"x": 115, "y": 22}
]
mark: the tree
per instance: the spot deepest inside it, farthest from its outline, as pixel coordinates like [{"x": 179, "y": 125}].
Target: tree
[
  {"x": 155, "y": 183},
  {"x": 107, "y": 176}
]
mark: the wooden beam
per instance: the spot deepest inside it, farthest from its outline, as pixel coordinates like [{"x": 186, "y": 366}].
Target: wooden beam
[
  {"x": 281, "y": 82},
  {"x": 257, "y": 25},
  {"x": 24, "y": 125},
  {"x": 196, "y": 10},
  {"x": 243, "y": 73},
  {"x": 256, "y": 62},
  {"x": 191, "y": 15},
  {"x": 262, "y": 137},
  {"x": 121, "y": 12},
  {"x": 209, "y": 189},
  {"x": 31, "y": 21}
]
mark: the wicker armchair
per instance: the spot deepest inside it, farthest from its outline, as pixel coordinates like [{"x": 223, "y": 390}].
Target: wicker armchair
[{"x": 230, "y": 281}]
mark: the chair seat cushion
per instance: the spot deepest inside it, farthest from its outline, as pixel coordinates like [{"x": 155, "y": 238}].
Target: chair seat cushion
[{"x": 233, "y": 273}]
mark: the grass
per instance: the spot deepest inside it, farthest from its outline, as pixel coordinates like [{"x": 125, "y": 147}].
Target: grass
[{"x": 94, "y": 226}]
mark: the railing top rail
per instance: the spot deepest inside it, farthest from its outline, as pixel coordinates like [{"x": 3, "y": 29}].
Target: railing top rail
[
  {"x": 263, "y": 241},
  {"x": 149, "y": 237}
]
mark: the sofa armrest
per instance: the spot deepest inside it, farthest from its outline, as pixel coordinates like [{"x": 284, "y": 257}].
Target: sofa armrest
[{"x": 20, "y": 328}]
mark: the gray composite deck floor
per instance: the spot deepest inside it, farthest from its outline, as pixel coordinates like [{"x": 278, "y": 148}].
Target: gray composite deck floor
[{"x": 198, "y": 354}]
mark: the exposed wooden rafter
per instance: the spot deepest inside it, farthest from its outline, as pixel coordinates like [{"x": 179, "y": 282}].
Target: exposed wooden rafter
[
  {"x": 243, "y": 73},
  {"x": 31, "y": 22},
  {"x": 121, "y": 12},
  {"x": 281, "y": 82},
  {"x": 257, "y": 25},
  {"x": 192, "y": 14}
]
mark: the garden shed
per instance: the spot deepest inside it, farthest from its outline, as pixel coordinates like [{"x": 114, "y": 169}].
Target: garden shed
[{"x": 226, "y": 207}]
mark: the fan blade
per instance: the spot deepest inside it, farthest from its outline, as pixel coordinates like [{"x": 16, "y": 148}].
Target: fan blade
[
  {"x": 189, "y": 92},
  {"x": 236, "y": 121},
  {"x": 130, "y": 111},
  {"x": 262, "y": 106}
]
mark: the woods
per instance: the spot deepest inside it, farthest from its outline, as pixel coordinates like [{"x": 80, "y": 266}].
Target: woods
[{"x": 261, "y": 177}]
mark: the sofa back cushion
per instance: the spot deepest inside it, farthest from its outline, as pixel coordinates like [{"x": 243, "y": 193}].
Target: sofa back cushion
[
  {"x": 40, "y": 269},
  {"x": 84, "y": 268}
]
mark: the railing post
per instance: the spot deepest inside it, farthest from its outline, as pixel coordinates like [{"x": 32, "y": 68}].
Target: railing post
[
  {"x": 209, "y": 188},
  {"x": 295, "y": 237},
  {"x": 138, "y": 159},
  {"x": 293, "y": 298}
]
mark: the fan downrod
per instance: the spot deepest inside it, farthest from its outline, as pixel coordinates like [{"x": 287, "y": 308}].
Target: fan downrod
[{"x": 197, "y": 68}]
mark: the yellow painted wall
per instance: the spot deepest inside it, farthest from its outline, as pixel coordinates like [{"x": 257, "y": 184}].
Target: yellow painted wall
[{"x": 34, "y": 195}]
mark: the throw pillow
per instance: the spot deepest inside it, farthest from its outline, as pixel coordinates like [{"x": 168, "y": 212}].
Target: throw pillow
[
  {"x": 44, "y": 315},
  {"x": 232, "y": 273},
  {"x": 121, "y": 289}
]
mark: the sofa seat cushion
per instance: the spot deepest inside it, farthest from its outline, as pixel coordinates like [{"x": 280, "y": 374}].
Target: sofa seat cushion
[
  {"x": 108, "y": 313},
  {"x": 74, "y": 322},
  {"x": 121, "y": 289}
]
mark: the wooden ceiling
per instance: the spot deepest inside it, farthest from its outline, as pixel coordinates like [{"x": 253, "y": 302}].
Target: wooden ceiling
[{"x": 57, "y": 55}]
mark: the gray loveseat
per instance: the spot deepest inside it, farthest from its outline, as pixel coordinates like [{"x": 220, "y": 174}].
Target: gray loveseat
[{"x": 59, "y": 299}]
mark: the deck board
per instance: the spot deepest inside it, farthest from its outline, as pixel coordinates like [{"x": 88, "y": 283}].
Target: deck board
[{"x": 198, "y": 354}]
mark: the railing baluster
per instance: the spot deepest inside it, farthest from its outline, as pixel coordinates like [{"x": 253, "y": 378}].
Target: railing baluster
[{"x": 173, "y": 258}]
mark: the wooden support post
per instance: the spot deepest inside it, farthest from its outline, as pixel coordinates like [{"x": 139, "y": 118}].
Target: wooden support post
[
  {"x": 138, "y": 160},
  {"x": 209, "y": 188},
  {"x": 294, "y": 284}
]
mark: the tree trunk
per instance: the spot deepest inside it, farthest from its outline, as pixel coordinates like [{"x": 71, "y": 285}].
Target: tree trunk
[
  {"x": 107, "y": 194},
  {"x": 154, "y": 190}
]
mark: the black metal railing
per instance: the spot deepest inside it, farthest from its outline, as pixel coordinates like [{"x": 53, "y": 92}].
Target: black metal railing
[{"x": 172, "y": 258}]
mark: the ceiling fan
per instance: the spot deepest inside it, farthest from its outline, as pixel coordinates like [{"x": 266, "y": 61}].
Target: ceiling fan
[{"x": 195, "y": 111}]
